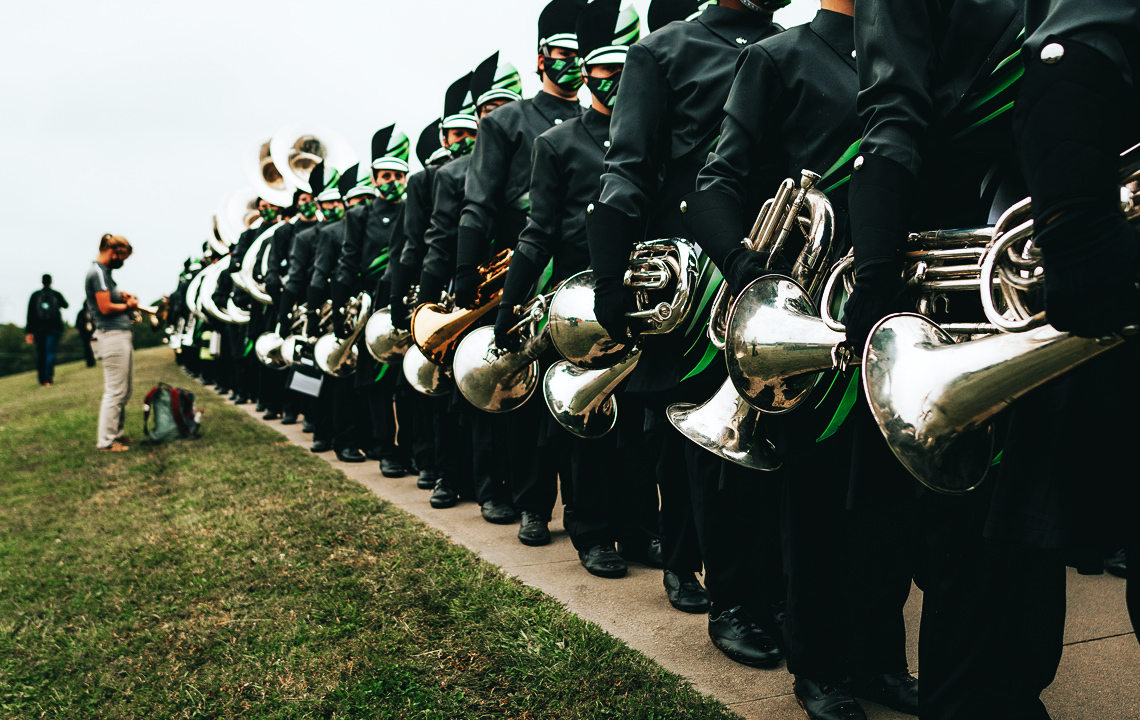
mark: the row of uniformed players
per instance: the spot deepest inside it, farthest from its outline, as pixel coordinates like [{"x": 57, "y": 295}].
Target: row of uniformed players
[{"x": 814, "y": 562}]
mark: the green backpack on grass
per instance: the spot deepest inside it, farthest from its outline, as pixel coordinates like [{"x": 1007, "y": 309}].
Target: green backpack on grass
[{"x": 175, "y": 416}]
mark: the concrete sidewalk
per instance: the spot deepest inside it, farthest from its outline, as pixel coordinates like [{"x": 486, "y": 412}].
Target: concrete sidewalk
[{"x": 1099, "y": 675}]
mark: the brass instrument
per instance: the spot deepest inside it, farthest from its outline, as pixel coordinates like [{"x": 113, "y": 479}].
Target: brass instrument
[
  {"x": 245, "y": 277},
  {"x": 383, "y": 340},
  {"x": 726, "y": 424},
  {"x": 662, "y": 272},
  {"x": 299, "y": 348},
  {"x": 493, "y": 379},
  {"x": 579, "y": 390},
  {"x": 268, "y": 346},
  {"x": 581, "y": 400},
  {"x": 933, "y": 398},
  {"x": 296, "y": 149},
  {"x": 423, "y": 375},
  {"x": 437, "y": 329},
  {"x": 336, "y": 356},
  {"x": 155, "y": 314}
]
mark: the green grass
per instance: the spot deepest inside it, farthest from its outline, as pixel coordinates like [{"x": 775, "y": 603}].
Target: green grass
[{"x": 239, "y": 576}]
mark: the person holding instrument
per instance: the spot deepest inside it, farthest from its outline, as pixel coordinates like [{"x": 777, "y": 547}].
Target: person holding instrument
[{"x": 110, "y": 311}]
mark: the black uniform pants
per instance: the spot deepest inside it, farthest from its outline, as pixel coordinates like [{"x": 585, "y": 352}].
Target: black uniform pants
[
  {"x": 680, "y": 547},
  {"x": 322, "y": 407},
  {"x": 534, "y": 462},
  {"x": 351, "y": 422},
  {"x": 453, "y": 452},
  {"x": 47, "y": 342},
  {"x": 489, "y": 436},
  {"x": 847, "y": 571},
  {"x": 271, "y": 390},
  {"x": 423, "y": 428},
  {"x": 634, "y": 494},
  {"x": 993, "y": 616},
  {"x": 390, "y": 418}
]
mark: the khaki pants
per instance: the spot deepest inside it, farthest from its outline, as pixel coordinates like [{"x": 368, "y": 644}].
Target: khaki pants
[{"x": 113, "y": 349}]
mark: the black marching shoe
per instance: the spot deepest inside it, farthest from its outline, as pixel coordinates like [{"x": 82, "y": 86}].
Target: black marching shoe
[
  {"x": 350, "y": 455},
  {"x": 390, "y": 468},
  {"x": 1116, "y": 564},
  {"x": 443, "y": 496},
  {"x": 896, "y": 690},
  {"x": 825, "y": 701},
  {"x": 685, "y": 593},
  {"x": 534, "y": 530},
  {"x": 426, "y": 479},
  {"x": 221, "y": 390},
  {"x": 499, "y": 513},
  {"x": 603, "y": 561},
  {"x": 260, "y": 406},
  {"x": 320, "y": 446},
  {"x": 271, "y": 415},
  {"x": 308, "y": 426},
  {"x": 737, "y": 635},
  {"x": 289, "y": 419}
]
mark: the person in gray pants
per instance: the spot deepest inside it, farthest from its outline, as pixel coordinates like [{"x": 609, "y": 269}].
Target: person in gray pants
[{"x": 110, "y": 311}]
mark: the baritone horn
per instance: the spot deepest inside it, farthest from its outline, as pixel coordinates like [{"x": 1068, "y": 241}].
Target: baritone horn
[
  {"x": 437, "y": 329},
  {"x": 933, "y": 397},
  {"x": 726, "y": 424},
  {"x": 581, "y": 400},
  {"x": 384, "y": 341},
  {"x": 663, "y": 275},
  {"x": 423, "y": 375},
  {"x": 336, "y": 355},
  {"x": 495, "y": 380}
]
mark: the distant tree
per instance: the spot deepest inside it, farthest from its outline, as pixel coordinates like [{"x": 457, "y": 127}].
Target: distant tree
[{"x": 16, "y": 356}]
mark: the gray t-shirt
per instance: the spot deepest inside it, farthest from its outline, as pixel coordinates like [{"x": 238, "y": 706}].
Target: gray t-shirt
[{"x": 99, "y": 279}]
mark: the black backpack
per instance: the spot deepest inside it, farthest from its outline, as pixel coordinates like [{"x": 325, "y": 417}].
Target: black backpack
[{"x": 48, "y": 307}]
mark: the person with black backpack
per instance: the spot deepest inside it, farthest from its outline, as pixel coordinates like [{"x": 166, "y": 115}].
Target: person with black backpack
[{"x": 44, "y": 328}]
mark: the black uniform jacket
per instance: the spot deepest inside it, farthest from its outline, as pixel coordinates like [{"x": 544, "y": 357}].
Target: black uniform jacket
[
  {"x": 280, "y": 248},
  {"x": 565, "y": 166},
  {"x": 1110, "y": 26},
  {"x": 417, "y": 218},
  {"x": 366, "y": 246},
  {"x": 791, "y": 108},
  {"x": 301, "y": 257},
  {"x": 441, "y": 237},
  {"x": 330, "y": 243},
  {"x": 669, "y": 111},
  {"x": 496, "y": 201}
]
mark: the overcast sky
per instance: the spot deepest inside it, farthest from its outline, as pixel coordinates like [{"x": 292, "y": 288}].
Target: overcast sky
[{"x": 134, "y": 117}]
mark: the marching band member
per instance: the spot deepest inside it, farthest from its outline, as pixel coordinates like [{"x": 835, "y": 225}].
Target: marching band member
[
  {"x": 566, "y": 164},
  {"x": 351, "y": 423},
  {"x": 987, "y": 606},
  {"x": 494, "y": 213},
  {"x": 792, "y": 107},
  {"x": 304, "y": 209},
  {"x": 415, "y": 212},
  {"x": 674, "y": 87},
  {"x": 301, "y": 260},
  {"x": 361, "y": 266},
  {"x": 486, "y": 476}
]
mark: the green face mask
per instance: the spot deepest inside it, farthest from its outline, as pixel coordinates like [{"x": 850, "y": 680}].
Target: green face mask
[
  {"x": 461, "y": 147},
  {"x": 335, "y": 214},
  {"x": 392, "y": 191},
  {"x": 563, "y": 72},
  {"x": 308, "y": 210},
  {"x": 268, "y": 214}
]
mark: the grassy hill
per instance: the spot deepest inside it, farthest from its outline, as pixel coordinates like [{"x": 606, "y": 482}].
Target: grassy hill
[{"x": 240, "y": 576}]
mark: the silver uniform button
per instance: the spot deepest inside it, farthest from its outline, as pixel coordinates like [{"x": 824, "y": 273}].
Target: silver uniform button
[
  {"x": 859, "y": 162},
  {"x": 1052, "y": 53},
  {"x": 742, "y": 41},
  {"x": 852, "y": 54},
  {"x": 557, "y": 121},
  {"x": 590, "y": 209},
  {"x": 684, "y": 206},
  {"x": 606, "y": 143},
  {"x": 387, "y": 220}
]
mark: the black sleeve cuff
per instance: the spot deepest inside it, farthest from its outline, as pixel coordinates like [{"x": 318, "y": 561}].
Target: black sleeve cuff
[
  {"x": 611, "y": 235},
  {"x": 520, "y": 280},
  {"x": 714, "y": 220},
  {"x": 472, "y": 247},
  {"x": 881, "y": 202}
]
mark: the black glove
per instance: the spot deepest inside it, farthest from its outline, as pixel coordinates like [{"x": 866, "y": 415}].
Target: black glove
[
  {"x": 611, "y": 235},
  {"x": 742, "y": 266},
  {"x": 465, "y": 287},
  {"x": 314, "y": 300},
  {"x": 517, "y": 290},
  {"x": 288, "y": 300},
  {"x": 1091, "y": 268},
  {"x": 879, "y": 291},
  {"x": 1069, "y": 123},
  {"x": 312, "y": 324},
  {"x": 431, "y": 287},
  {"x": 504, "y": 323}
]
